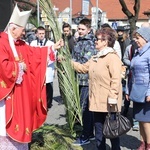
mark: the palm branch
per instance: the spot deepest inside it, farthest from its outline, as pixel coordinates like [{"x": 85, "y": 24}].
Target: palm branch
[{"x": 69, "y": 88}]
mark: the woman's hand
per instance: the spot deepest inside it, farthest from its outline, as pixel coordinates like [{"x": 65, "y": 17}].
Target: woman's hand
[
  {"x": 127, "y": 97},
  {"x": 148, "y": 98},
  {"x": 111, "y": 105}
]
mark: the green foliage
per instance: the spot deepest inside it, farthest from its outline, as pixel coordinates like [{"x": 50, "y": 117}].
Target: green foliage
[
  {"x": 47, "y": 7},
  {"x": 52, "y": 137},
  {"x": 33, "y": 20},
  {"x": 68, "y": 84}
]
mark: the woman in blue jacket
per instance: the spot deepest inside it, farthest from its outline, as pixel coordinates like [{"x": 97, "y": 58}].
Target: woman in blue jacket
[{"x": 139, "y": 90}]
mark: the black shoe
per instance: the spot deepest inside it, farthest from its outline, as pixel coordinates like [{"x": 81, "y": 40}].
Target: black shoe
[{"x": 49, "y": 106}]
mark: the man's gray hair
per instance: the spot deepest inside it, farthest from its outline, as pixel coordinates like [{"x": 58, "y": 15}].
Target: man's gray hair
[{"x": 12, "y": 25}]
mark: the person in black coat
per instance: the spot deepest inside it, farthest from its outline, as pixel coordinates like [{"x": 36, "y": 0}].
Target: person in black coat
[{"x": 68, "y": 36}]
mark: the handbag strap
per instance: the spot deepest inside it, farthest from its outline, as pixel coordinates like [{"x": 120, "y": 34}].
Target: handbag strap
[{"x": 109, "y": 110}]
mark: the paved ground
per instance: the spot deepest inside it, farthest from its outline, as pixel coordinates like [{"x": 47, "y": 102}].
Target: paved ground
[{"x": 56, "y": 115}]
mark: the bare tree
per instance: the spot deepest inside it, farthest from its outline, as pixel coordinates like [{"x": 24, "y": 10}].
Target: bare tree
[{"x": 131, "y": 17}]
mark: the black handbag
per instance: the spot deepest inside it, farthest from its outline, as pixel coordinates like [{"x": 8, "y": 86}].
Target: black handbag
[{"x": 115, "y": 127}]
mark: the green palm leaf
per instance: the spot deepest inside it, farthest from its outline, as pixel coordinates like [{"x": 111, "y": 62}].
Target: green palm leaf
[{"x": 66, "y": 75}]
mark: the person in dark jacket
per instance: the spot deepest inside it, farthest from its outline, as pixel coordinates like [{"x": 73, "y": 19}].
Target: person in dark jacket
[
  {"x": 123, "y": 39},
  {"x": 68, "y": 36},
  {"x": 82, "y": 52},
  {"x": 128, "y": 55}
]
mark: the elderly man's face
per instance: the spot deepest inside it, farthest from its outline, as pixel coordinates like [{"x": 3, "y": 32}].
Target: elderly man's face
[{"x": 18, "y": 32}]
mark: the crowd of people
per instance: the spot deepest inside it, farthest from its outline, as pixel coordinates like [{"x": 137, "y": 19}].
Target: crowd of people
[{"x": 27, "y": 74}]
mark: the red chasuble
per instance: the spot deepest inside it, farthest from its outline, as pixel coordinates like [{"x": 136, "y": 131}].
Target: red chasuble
[{"x": 25, "y": 102}]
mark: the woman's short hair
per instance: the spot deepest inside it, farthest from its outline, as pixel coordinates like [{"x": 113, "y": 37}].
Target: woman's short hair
[{"x": 107, "y": 34}]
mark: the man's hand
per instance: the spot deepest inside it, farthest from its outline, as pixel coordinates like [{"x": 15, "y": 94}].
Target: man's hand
[
  {"x": 24, "y": 66},
  {"x": 59, "y": 44}
]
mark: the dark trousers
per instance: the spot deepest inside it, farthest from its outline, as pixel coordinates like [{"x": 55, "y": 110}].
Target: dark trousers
[
  {"x": 126, "y": 102},
  {"x": 49, "y": 94},
  {"x": 126, "y": 107},
  {"x": 99, "y": 119},
  {"x": 87, "y": 116}
]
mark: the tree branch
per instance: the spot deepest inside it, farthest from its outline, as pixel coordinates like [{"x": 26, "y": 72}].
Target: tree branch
[
  {"x": 27, "y": 2},
  {"x": 26, "y": 5},
  {"x": 125, "y": 9},
  {"x": 137, "y": 8}
]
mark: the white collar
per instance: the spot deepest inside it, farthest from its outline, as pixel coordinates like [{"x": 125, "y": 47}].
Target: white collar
[{"x": 103, "y": 53}]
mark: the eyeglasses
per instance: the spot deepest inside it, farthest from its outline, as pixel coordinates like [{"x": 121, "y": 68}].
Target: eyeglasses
[{"x": 97, "y": 39}]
